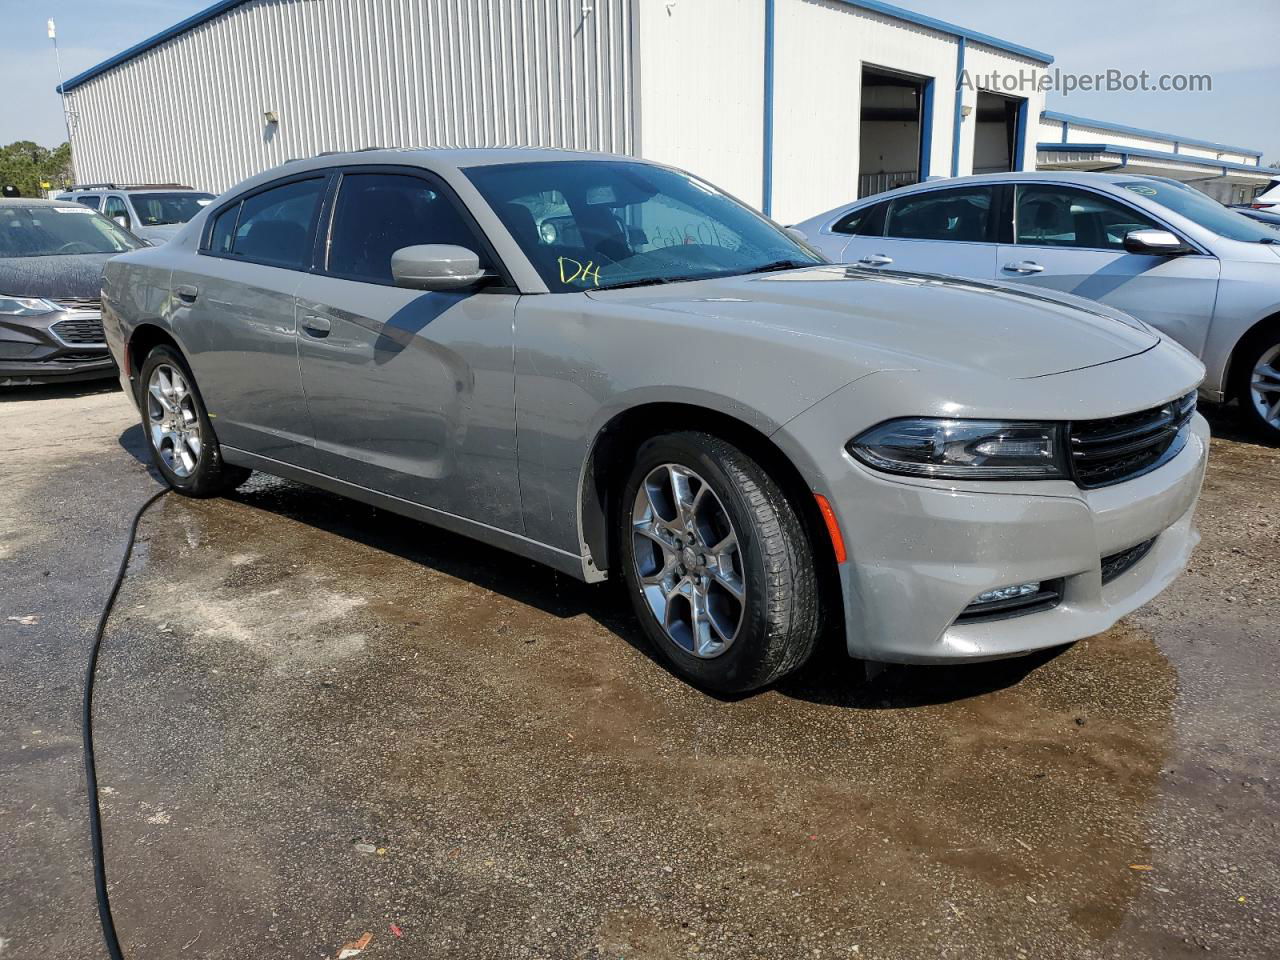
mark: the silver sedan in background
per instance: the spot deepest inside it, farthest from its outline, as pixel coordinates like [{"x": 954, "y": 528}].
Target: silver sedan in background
[
  {"x": 612, "y": 367},
  {"x": 1154, "y": 248}
]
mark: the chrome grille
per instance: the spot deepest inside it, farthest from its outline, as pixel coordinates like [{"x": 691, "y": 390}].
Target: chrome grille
[
  {"x": 1116, "y": 449},
  {"x": 80, "y": 303},
  {"x": 79, "y": 331}
]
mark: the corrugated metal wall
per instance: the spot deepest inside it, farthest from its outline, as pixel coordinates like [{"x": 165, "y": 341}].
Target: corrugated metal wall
[{"x": 344, "y": 74}]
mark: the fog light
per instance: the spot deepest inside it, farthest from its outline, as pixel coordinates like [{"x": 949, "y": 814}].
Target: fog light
[{"x": 1009, "y": 593}]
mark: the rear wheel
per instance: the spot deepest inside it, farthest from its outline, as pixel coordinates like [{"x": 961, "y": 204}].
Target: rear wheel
[
  {"x": 717, "y": 563},
  {"x": 181, "y": 439},
  {"x": 1258, "y": 384}
]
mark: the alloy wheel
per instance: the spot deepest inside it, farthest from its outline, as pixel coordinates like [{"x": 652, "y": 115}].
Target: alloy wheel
[
  {"x": 1264, "y": 386},
  {"x": 174, "y": 423},
  {"x": 688, "y": 560}
]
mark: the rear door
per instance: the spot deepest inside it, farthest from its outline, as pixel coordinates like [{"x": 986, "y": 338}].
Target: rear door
[
  {"x": 234, "y": 313},
  {"x": 1071, "y": 239},
  {"x": 412, "y": 393},
  {"x": 952, "y": 231}
]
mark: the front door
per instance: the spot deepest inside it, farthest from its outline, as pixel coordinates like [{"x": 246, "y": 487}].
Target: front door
[
  {"x": 234, "y": 314},
  {"x": 412, "y": 393},
  {"x": 950, "y": 231},
  {"x": 1071, "y": 239}
]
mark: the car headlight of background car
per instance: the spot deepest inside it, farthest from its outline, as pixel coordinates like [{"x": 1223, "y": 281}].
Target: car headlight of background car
[
  {"x": 965, "y": 449},
  {"x": 26, "y": 306}
]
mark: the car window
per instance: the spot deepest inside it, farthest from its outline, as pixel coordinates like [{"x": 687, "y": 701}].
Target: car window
[
  {"x": 47, "y": 230},
  {"x": 90, "y": 201},
  {"x": 378, "y": 213},
  {"x": 155, "y": 209},
  {"x": 275, "y": 225},
  {"x": 114, "y": 207},
  {"x": 1053, "y": 216},
  {"x": 961, "y": 215},
  {"x": 585, "y": 224},
  {"x": 1203, "y": 209},
  {"x": 863, "y": 222},
  {"x": 223, "y": 231}
]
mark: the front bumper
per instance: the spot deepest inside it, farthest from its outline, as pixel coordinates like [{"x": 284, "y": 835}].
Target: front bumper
[
  {"x": 920, "y": 553},
  {"x": 31, "y": 351}
]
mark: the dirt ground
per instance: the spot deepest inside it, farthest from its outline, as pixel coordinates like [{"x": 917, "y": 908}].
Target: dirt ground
[{"x": 316, "y": 720}]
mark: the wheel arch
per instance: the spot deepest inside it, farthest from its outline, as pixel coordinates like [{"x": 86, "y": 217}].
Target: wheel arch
[
  {"x": 1269, "y": 323},
  {"x": 609, "y": 460},
  {"x": 144, "y": 338}
]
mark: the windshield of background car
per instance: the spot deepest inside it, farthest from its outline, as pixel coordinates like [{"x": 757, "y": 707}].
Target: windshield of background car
[
  {"x": 587, "y": 224},
  {"x": 1204, "y": 210},
  {"x": 155, "y": 209},
  {"x": 40, "y": 231}
]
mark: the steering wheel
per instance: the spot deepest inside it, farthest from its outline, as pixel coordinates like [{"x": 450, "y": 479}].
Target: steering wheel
[{"x": 75, "y": 243}]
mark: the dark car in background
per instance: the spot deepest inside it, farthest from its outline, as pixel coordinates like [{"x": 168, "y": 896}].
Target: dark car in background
[{"x": 51, "y": 259}]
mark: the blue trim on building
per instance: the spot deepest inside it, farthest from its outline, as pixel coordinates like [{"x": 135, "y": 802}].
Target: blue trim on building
[
  {"x": 1138, "y": 131},
  {"x": 1020, "y": 136},
  {"x": 926, "y": 129},
  {"x": 138, "y": 49},
  {"x": 942, "y": 26},
  {"x": 1126, "y": 152},
  {"x": 766, "y": 187},
  {"x": 955, "y": 126}
]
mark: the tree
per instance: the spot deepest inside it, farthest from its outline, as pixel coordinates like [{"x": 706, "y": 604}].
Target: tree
[{"x": 28, "y": 166}]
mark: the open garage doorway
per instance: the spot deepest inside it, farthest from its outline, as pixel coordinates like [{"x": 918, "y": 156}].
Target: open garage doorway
[
  {"x": 893, "y": 141},
  {"x": 998, "y": 132}
]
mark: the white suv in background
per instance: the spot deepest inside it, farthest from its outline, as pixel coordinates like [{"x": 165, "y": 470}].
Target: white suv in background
[
  {"x": 1268, "y": 199},
  {"x": 153, "y": 212}
]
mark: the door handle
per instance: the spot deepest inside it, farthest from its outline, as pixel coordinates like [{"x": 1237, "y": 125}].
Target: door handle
[
  {"x": 1024, "y": 266},
  {"x": 316, "y": 326},
  {"x": 187, "y": 293},
  {"x": 876, "y": 260}
]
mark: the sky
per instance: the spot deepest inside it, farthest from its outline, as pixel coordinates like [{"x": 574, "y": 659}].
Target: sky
[{"x": 1235, "y": 43}]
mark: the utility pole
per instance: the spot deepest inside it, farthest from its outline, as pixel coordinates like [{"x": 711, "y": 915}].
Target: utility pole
[{"x": 66, "y": 118}]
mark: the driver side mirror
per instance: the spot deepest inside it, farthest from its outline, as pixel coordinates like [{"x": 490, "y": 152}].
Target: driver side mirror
[
  {"x": 796, "y": 233},
  {"x": 436, "y": 266},
  {"x": 121, "y": 220},
  {"x": 1160, "y": 243}
]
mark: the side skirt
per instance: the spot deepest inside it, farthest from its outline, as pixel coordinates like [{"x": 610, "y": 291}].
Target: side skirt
[{"x": 560, "y": 560}]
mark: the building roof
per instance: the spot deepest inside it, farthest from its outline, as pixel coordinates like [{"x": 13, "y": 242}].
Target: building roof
[
  {"x": 223, "y": 6},
  {"x": 1168, "y": 156},
  {"x": 1069, "y": 118}
]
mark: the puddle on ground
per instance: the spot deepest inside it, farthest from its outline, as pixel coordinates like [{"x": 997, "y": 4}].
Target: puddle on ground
[{"x": 537, "y": 778}]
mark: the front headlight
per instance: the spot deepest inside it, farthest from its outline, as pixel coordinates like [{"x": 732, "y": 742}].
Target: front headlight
[
  {"x": 964, "y": 449},
  {"x": 26, "y": 306}
]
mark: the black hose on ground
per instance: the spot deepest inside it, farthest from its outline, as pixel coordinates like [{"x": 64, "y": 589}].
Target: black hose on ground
[{"x": 86, "y": 724}]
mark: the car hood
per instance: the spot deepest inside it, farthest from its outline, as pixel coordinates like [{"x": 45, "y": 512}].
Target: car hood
[
  {"x": 77, "y": 276},
  {"x": 159, "y": 233},
  {"x": 919, "y": 319}
]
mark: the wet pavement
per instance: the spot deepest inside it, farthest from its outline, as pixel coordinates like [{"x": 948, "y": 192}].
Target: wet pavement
[{"x": 316, "y": 720}]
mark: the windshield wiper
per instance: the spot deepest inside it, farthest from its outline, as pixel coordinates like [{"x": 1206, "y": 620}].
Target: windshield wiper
[
  {"x": 652, "y": 281},
  {"x": 782, "y": 265}
]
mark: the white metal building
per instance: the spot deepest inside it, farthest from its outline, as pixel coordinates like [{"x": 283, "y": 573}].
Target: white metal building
[
  {"x": 1228, "y": 174},
  {"x": 793, "y": 105}
]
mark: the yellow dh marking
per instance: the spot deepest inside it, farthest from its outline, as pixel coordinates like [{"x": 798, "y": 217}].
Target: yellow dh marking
[{"x": 578, "y": 270}]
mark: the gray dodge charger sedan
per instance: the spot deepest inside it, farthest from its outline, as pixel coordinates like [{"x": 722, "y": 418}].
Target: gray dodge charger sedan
[{"x": 612, "y": 367}]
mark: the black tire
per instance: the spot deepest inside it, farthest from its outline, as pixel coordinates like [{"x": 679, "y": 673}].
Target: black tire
[
  {"x": 1248, "y": 354},
  {"x": 210, "y": 476},
  {"x": 779, "y": 624}
]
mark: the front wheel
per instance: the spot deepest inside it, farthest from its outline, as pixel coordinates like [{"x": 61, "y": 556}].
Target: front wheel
[
  {"x": 179, "y": 435},
  {"x": 1258, "y": 384},
  {"x": 717, "y": 563}
]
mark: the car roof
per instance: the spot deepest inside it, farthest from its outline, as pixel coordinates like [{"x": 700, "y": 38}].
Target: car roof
[{"x": 34, "y": 202}]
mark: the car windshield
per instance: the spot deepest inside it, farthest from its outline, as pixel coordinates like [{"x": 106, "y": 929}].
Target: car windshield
[
  {"x": 155, "y": 209},
  {"x": 590, "y": 224},
  {"x": 1204, "y": 210},
  {"x": 47, "y": 231}
]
